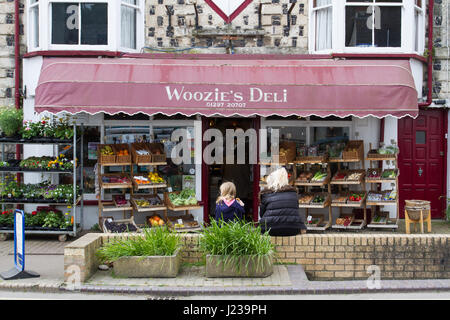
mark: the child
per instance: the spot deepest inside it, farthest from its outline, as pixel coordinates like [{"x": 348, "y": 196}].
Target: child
[{"x": 228, "y": 207}]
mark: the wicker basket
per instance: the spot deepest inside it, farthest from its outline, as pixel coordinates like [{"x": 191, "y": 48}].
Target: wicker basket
[
  {"x": 103, "y": 158},
  {"x": 353, "y": 150},
  {"x": 122, "y": 159},
  {"x": 137, "y": 158},
  {"x": 157, "y": 151},
  {"x": 414, "y": 207}
]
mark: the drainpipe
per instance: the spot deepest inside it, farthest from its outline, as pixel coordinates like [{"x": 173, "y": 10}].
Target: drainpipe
[
  {"x": 17, "y": 66},
  {"x": 430, "y": 56}
]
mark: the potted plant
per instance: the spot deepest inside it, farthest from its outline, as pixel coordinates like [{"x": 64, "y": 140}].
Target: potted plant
[
  {"x": 237, "y": 249},
  {"x": 6, "y": 219},
  {"x": 155, "y": 254},
  {"x": 10, "y": 120}
]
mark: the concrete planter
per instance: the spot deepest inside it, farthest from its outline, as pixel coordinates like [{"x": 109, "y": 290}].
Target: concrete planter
[
  {"x": 148, "y": 266},
  {"x": 245, "y": 266}
]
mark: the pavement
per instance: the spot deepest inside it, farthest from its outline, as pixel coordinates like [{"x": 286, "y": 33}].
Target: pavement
[{"x": 45, "y": 255}]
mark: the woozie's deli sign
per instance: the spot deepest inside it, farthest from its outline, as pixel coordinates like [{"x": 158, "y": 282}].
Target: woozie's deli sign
[{"x": 231, "y": 97}]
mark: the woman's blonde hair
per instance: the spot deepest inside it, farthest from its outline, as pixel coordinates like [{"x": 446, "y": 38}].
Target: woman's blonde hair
[
  {"x": 227, "y": 191},
  {"x": 277, "y": 179}
]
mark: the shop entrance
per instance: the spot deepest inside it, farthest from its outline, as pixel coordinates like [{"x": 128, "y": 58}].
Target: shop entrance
[
  {"x": 422, "y": 160},
  {"x": 240, "y": 174}
]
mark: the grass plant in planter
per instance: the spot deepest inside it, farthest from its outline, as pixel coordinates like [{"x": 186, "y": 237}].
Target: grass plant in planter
[
  {"x": 237, "y": 249},
  {"x": 156, "y": 254},
  {"x": 10, "y": 120}
]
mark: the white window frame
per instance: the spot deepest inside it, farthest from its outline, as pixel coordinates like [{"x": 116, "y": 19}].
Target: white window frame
[
  {"x": 338, "y": 22},
  {"x": 313, "y": 18},
  {"x": 114, "y": 27}
]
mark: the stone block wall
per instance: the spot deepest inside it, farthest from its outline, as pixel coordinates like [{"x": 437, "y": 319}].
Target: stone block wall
[
  {"x": 323, "y": 257},
  {"x": 172, "y": 24},
  {"x": 7, "y": 65}
]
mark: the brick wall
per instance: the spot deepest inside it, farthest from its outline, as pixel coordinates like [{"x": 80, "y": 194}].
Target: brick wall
[{"x": 324, "y": 257}]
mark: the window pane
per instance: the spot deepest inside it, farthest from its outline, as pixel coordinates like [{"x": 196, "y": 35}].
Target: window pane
[
  {"x": 65, "y": 23},
  {"x": 421, "y": 137},
  {"x": 388, "y": 30},
  {"x": 416, "y": 30},
  {"x": 358, "y": 26},
  {"x": 128, "y": 27},
  {"x": 329, "y": 139},
  {"x": 34, "y": 22},
  {"x": 94, "y": 23},
  {"x": 324, "y": 28},
  {"x": 320, "y": 3}
]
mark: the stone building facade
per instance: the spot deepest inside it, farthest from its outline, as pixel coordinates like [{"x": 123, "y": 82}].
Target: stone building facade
[{"x": 441, "y": 66}]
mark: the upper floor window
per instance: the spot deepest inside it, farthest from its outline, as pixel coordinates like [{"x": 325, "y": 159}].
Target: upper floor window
[
  {"x": 116, "y": 25},
  {"x": 363, "y": 26}
]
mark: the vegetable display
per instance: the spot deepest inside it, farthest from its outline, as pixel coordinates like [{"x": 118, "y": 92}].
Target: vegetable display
[
  {"x": 185, "y": 197},
  {"x": 389, "y": 174},
  {"x": 319, "y": 176}
]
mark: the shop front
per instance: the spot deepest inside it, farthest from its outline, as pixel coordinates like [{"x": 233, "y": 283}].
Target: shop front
[{"x": 302, "y": 106}]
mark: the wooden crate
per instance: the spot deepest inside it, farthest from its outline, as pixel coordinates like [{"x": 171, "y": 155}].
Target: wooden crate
[
  {"x": 149, "y": 224},
  {"x": 113, "y": 185},
  {"x": 171, "y": 206},
  {"x": 343, "y": 216},
  {"x": 318, "y": 220},
  {"x": 126, "y": 159},
  {"x": 373, "y": 155},
  {"x": 137, "y": 158},
  {"x": 128, "y": 221},
  {"x": 157, "y": 151},
  {"x": 148, "y": 208},
  {"x": 353, "y": 150},
  {"x": 312, "y": 159},
  {"x": 105, "y": 159}
]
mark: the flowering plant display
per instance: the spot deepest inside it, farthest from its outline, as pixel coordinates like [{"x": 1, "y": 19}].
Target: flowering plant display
[
  {"x": 7, "y": 218},
  {"x": 39, "y": 218},
  {"x": 32, "y": 192},
  {"x": 58, "y": 128}
]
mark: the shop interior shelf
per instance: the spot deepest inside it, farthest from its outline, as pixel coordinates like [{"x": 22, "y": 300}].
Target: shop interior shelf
[
  {"x": 379, "y": 158},
  {"x": 331, "y": 160},
  {"x": 151, "y": 164},
  {"x": 313, "y": 183},
  {"x": 391, "y": 224},
  {"x": 115, "y": 164},
  {"x": 381, "y": 180},
  {"x": 149, "y": 186}
]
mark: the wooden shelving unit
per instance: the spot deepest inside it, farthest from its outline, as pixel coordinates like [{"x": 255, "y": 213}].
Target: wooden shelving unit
[
  {"x": 325, "y": 184},
  {"x": 388, "y": 223}
]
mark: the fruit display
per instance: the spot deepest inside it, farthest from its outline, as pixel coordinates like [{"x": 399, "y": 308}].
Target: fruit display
[
  {"x": 155, "y": 221},
  {"x": 373, "y": 173},
  {"x": 148, "y": 202},
  {"x": 185, "y": 197},
  {"x": 374, "y": 196},
  {"x": 123, "y": 152},
  {"x": 305, "y": 198},
  {"x": 339, "y": 176},
  {"x": 155, "y": 177},
  {"x": 319, "y": 176},
  {"x": 142, "y": 152},
  {"x": 141, "y": 180},
  {"x": 117, "y": 227},
  {"x": 107, "y": 151},
  {"x": 120, "y": 200},
  {"x": 356, "y": 196},
  {"x": 389, "y": 174}
]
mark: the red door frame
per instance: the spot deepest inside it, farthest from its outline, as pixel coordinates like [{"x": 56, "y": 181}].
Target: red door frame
[
  {"x": 256, "y": 124},
  {"x": 445, "y": 114}
]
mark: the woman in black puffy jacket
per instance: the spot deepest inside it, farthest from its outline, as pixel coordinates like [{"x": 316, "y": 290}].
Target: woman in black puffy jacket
[{"x": 279, "y": 210}]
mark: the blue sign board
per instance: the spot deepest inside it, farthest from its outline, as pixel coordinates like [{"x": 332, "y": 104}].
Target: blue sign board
[{"x": 19, "y": 236}]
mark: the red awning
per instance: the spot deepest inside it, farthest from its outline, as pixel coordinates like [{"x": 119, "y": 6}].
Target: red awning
[{"x": 227, "y": 87}]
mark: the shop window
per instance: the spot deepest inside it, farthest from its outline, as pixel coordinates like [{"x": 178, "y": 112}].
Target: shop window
[
  {"x": 323, "y": 24},
  {"x": 360, "y": 26},
  {"x": 329, "y": 138},
  {"x": 80, "y": 23},
  {"x": 34, "y": 24},
  {"x": 85, "y": 25},
  {"x": 374, "y": 25}
]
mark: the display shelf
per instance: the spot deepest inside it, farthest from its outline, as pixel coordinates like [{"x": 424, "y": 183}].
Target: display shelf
[
  {"x": 313, "y": 183},
  {"x": 150, "y": 208},
  {"x": 142, "y": 164},
  {"x": 149, "y": 186},
  {"x": 77, "y": 201},
  {"x": 187, "y": 220},
  {"x": 376, "y": 158},
  {"x": 109, "y": 206},
  {"x": 354, "y": 154}
]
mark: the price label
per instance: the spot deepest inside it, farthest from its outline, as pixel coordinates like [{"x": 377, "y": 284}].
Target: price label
[
  {"x": 169, "y": 189},
  {"x": 180, "y": 221},
  {"x": 127, "y": 196},
  {"x": 309, "y": 219}
]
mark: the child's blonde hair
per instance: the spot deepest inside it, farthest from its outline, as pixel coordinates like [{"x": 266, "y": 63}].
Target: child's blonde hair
[{"x": 227, "y": 191}]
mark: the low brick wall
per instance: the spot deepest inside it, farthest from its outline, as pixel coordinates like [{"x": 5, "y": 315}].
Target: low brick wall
[{"x": 324, "y": 257}]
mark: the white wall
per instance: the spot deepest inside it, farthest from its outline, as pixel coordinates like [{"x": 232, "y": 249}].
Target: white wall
[{"x": 390, "y": 133}]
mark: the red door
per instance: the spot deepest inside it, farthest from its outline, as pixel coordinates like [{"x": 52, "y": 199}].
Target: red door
[{"x": 422, "y": 160}]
